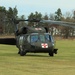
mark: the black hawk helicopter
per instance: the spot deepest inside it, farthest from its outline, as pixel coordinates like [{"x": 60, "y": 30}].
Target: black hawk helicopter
[{"x": 34, "y": 39}]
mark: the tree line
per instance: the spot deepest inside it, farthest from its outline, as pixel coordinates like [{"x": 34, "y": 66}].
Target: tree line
[{"x": 8, "y": 27}]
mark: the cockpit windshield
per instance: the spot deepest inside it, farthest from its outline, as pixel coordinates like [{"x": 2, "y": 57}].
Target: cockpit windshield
[
  {"x": 41, "y": 38},
  {"x": 34, "y": 38}
]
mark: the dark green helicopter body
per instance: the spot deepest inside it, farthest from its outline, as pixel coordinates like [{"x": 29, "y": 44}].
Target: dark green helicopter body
[{"x": 35, "y": 39}]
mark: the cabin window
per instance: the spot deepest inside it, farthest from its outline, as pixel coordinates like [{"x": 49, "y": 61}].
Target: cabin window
[
  {"x": 34, "y": 38},
  {"x": 21, "y": 39},
  {"x": 28, "y": 39}
]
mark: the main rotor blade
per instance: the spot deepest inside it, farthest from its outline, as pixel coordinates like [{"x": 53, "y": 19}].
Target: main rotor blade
[
  {"x": 62, "y": 23},
  {"x": 51, "y": 22}
]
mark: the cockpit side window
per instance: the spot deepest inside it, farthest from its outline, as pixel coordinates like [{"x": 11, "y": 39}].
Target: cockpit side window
[
  {"x": 48, "y": 37},
  {"x": 52, "y": 39},
  {"x": 34, "y": 38}
]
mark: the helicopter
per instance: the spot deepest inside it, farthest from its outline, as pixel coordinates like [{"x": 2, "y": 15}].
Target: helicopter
[{"x": 35, "y": 39}]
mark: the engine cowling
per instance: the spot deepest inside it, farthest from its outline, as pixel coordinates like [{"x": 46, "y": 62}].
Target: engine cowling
[{"x": 22, "y": 30}]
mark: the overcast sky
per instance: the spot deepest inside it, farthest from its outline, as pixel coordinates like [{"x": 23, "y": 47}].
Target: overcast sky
[{"x": 25, "y": 7}]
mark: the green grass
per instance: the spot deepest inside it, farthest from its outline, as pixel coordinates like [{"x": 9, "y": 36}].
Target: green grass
[{"x": 40, "y": 63}]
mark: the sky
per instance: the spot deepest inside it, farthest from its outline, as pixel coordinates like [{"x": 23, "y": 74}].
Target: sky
[{"x": 25, "y": 7}]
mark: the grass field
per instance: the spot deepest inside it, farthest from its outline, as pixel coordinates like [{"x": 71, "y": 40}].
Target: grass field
[{"x": 38, "y": 64}]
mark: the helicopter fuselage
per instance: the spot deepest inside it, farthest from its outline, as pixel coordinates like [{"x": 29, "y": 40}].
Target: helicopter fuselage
[{"x": 36, "y": 42}]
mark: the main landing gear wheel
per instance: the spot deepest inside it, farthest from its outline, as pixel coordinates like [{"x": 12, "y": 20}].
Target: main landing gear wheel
[
  {"x": 51, "y": 53},
  {"x": 22, "y": 52}
]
